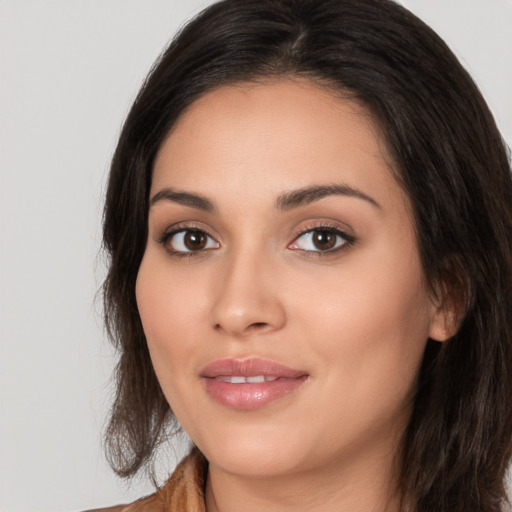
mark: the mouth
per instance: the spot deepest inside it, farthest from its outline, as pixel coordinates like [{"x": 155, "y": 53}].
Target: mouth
[
  {"x": 240, "y": 379},
  {"x": 250, "y": 383}
]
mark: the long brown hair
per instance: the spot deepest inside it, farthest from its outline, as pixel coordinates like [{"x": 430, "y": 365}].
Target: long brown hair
[{"x": 449, "y": 158}]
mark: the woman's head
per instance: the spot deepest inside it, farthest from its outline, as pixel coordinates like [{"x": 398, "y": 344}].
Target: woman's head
[
  {"x": 279, "y": 236},
  {"x": 438, "y": 141}
]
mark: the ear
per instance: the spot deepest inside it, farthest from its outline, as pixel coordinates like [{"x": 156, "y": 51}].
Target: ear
[
  {"x": 444, "y": 324},
  {"x": 448, "y": 308}
]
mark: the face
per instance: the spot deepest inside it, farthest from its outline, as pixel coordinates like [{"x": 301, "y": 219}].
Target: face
[{"x": 281, "y": 290}]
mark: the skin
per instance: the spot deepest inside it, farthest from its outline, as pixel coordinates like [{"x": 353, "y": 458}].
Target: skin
[{"x": 355, "y": 319}]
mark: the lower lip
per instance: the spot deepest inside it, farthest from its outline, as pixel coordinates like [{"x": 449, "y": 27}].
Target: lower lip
[{"x": 249, "y": 396}]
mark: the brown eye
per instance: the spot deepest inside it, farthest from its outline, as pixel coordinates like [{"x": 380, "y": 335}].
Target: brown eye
[
  {"x": 194, "y": 240},
  {"x": 323, "y": 240},
  {"x": 190, "y": 240}
]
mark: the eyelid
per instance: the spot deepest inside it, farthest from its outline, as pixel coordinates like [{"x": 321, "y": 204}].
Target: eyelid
[
  {"x": 171, "y": 229},
  {"x": 348, "y": 240},
  {"x": 183, "y": 227},
  {"x": 329, "y": 226}
]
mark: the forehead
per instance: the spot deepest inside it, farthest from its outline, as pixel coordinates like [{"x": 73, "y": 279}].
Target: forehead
[{"x": 272, "y": 137}]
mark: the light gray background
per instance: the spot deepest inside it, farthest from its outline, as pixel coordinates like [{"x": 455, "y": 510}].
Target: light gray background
[{"x": 69, "y": 70}]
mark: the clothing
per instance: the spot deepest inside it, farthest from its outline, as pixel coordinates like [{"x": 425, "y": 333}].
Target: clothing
[{"x": 183, "y": 492}]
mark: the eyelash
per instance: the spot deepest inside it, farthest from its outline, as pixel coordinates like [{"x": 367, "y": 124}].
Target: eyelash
[
  {"x": 166, "y": 236},
  {"x": 348, "y": 240}
]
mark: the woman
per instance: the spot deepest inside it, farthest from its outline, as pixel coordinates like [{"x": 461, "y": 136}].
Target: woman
[{"x": 308, "y": 217}]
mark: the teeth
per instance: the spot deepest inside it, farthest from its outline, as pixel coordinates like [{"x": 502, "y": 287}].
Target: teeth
[
  {"x": 256, "y": 379},
  {"x": 239, "y": 379}
]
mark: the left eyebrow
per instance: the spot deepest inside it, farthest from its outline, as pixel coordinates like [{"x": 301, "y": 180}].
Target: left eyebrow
[
  {"x": 185, "y": 198},
  {"x": 307, "y": 195}
]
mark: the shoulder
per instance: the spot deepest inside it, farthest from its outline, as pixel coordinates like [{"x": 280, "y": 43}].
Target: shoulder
[
  {"x": 183, "y": 492},
  {"x": 148, "y": 504},
  {"x": 138, "y": 506},
  {"x": 117, "y": 508}
]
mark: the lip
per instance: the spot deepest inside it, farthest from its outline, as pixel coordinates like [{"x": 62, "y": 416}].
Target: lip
[{"x": 250, "y": 395}]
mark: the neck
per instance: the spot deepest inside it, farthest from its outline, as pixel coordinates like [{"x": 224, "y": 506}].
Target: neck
[{"x": 349, "y": 486}]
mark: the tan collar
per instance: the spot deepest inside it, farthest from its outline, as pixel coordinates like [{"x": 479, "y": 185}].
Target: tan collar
[{"x": 183, "y": 492}]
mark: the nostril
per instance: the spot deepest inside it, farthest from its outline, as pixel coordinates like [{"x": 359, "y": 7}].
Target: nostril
[
  {"x": 241, "y": 315},
  {"x": 258, "y": 325}
]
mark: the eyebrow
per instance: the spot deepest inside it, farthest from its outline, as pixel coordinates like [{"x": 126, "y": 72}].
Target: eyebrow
[
  {"x": 185, "y": 198},
  {"x": 307, "y": 195},
  {"x": 287, "y": 201}
]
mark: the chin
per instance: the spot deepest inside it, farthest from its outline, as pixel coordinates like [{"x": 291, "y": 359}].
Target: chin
[
  {"x": 253, "y": 452},
  {"x": 252, "y": 462}
]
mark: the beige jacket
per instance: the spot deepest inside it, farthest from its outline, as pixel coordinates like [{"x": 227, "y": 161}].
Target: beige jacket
[{"x": 183, "y": 492}]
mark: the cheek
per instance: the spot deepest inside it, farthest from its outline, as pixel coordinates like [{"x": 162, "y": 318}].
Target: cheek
[
  {"x": 168, "y": 306},
  {"x": 371, "y": 323}
]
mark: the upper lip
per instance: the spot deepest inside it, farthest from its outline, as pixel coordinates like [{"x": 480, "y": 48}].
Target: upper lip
[{"x": 249, "y": 368}]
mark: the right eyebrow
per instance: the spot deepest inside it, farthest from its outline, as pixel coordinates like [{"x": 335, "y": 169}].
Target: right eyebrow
[
  {"x": 184, "y": 198},
  {"x": 307, "y": 195}
]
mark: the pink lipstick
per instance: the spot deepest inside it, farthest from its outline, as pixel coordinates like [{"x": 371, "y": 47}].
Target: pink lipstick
[{"x": 250, "y": 383}]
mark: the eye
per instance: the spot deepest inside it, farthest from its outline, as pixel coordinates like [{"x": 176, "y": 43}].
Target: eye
[
  {"x": 322, "y": 239},
  {"x": 189, "y": 240}
]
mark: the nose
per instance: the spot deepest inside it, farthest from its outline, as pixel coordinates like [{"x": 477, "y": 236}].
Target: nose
[{"x": 246, "y": 298}]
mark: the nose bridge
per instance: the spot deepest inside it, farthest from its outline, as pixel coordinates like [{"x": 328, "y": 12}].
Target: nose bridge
[{"x": 246, "y": 296}]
